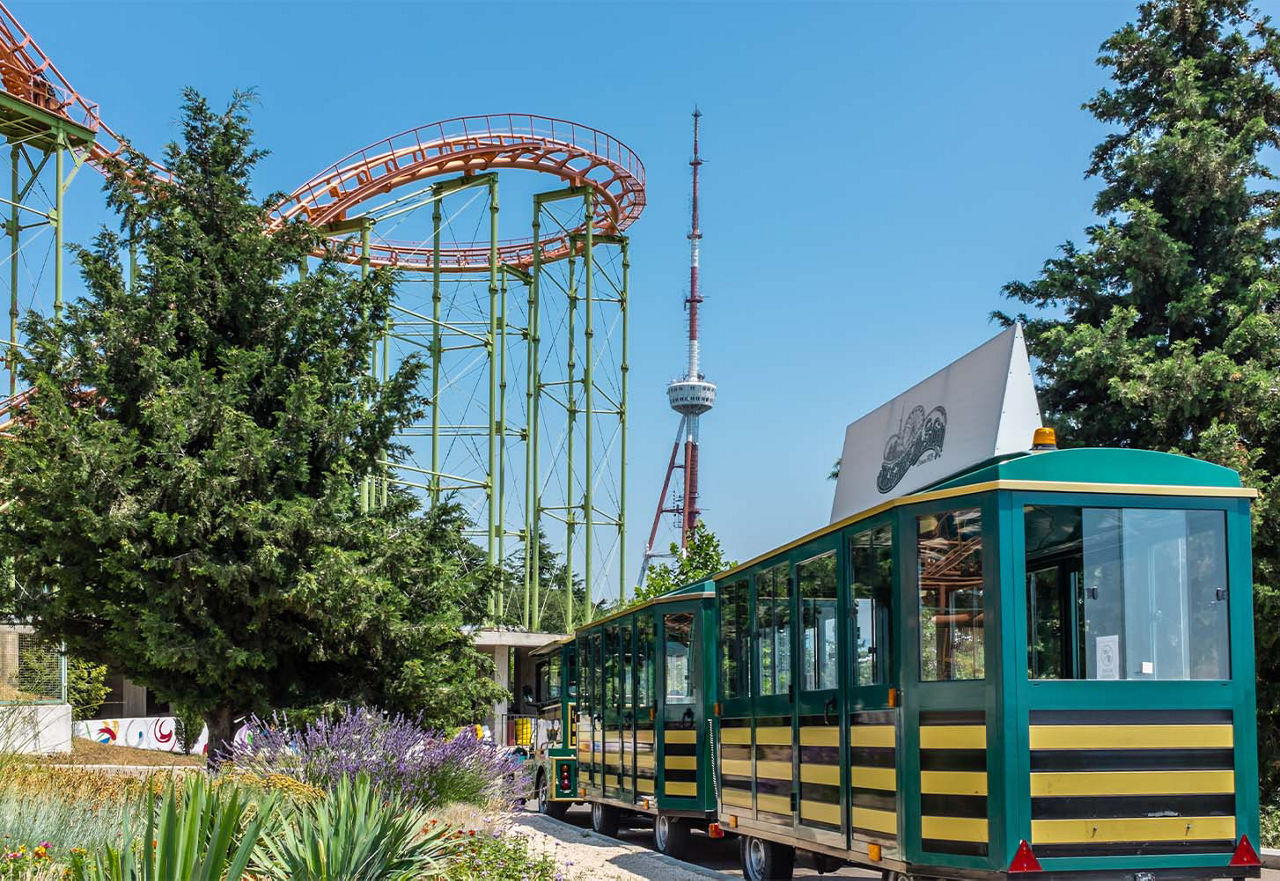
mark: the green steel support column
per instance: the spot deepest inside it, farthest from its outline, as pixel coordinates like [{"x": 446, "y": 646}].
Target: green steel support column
[
  {"x": 622, "y": 428},
  {"x": 15, "y": 153},
  {"x": 502, "y": 432},
  {"x": 571, "y": 402},
  {"x": 387, "y": 328},
  {"x": 58, "y": 191},
  {"x": 493, "y": 381},
  {"x": 436, "y": 353},
  {"x": 534, "y": 550},
  {"x": 365, "y": 485},
  {"x": 529, "y": 537},
  {"x": 588, "y": 403}
]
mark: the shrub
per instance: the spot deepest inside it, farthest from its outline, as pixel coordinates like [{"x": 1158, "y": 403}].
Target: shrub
[
  {"x": 495, "y": 856},
  {"x": 353, "y": 834},
  {"x": 201, "y": 833},
  {"x": 398, "y": 756},
  {"x": 1270, "y": 826},
  {"x": 187, "y": 727},
  {"x": 86, "y": 687},
  {"x": 66, "y": 807}
]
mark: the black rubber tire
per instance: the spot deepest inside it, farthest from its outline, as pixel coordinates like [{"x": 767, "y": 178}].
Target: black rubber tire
[
  {"x": 764, "y": 860},
  {"x": 553, "y": 809},
  {"x": 671, "y": 835},
  {"x": 605, "y": 819}
]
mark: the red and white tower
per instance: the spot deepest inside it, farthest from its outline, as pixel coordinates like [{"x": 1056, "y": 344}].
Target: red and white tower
[{"x": 691, "y": 397}]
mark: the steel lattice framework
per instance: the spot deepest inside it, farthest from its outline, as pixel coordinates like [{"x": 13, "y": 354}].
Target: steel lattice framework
[{"x": 526, "y": 335}]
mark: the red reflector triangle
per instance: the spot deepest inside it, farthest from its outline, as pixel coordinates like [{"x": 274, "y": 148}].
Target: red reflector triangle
[
  {"x": 1245, "y": 855},
  {"x": 1024, "y": 860}
]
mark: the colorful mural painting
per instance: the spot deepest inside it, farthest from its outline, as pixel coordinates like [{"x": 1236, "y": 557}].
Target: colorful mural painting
[{"x": 153, "y": 732}]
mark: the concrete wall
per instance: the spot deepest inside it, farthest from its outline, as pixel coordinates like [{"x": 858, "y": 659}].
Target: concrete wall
[{"x": 35, "y": 728}]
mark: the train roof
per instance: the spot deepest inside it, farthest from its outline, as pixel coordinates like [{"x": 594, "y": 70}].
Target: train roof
[
  {"x": 703, "y": 587},
  {"x": 1084, "y": 470}
]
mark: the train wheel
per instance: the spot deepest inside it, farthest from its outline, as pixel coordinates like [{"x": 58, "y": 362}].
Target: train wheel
[
  {"x": 554, "y": 809},
  {"x": 671, "y": 835},
  {"x": 605, "y": 819},
  {"x": 766, "y": 860}
]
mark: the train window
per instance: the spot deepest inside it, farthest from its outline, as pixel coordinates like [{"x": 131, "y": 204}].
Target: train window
[
  {"x": 626, "y": 669},
  {"x": 549, "y": 680},
  {"x": 773, "y": 630},
  {"x": 949, "y": 563},
  {"x": 584, "y": 690},
  {"x": 679, "y": 637},
  {"x": 735, "y": 639},
  {"x": 571, "y": 665},
  {"x": 872, "y": 556},
  {"x": 818, "y": 651},
  {"x": 597, "y": 674},
  {"x": 644, "y": 661},
  {"x": 1126, "y": 593},
  {"x": 610, "y": 664}
]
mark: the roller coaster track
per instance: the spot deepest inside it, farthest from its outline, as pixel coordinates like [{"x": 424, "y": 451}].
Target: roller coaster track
[{"x": 576, "y": 154}]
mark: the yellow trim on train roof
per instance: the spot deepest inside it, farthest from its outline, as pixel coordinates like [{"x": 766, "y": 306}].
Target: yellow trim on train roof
[
  {"x": 1128, "y": 489},
  {"x": 664, "y": 598}
]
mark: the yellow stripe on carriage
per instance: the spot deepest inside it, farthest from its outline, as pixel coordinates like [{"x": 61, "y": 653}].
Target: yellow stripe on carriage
[
  {"x": 674, "y": 736},
  {"x": 774, "y": 735},
  {"x": 774, "y": 804},
  {"x": 1133, "y": 829},
  {"x": 736, "y": 767},
  {"x": 1085, "y": 737},
  {"x": 873, "y": 735},
  {"x": 644, "y": 784},
  {"x": 736, "y": 797},
  {"x": 827, "y": 735},
  {"x": 735, "y": 735},
  {"x": 644, "y": 736},
  {"x": 863, "y": 777},
  {"x": 819, "y": 811},
  {"x": 681, "y": 763},
  {"x": 773, "y": 770},
  {"x": 879, "y": 821},
  {"x": 827, "y": 775},
  {"x": 645, "y": 760},
  {"x": 1132, "y": 783},
  {"x": 954, "y": 828},
  {"x": 953, "y": 737},
  {"x": 953, "y": 782},
  {"x": 680, "y": 789}
]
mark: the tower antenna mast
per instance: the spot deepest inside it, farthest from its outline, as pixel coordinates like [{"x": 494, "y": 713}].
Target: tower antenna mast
[{"x": 691, "y": 397}]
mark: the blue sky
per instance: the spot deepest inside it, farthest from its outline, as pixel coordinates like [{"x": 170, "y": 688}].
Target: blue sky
[{"x": 875, "y": 173}]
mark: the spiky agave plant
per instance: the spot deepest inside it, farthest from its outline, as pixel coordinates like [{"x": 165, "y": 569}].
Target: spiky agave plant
[
  {"x": 198, "y": 832},
  {"x": 355, "y": 833}
]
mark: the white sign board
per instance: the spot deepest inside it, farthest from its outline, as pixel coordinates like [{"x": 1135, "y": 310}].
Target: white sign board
[{"x": 980, "y": 406}]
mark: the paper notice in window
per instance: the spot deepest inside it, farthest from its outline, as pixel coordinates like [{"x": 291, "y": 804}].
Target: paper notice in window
[{"x": 1107, "y": 662}]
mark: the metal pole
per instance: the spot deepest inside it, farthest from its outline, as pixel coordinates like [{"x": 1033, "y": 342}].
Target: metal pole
[
  {"x": 59, "y": 190},
  {"x": 388, "y": 327},
  {"x": 13, "y": 276},
  {"x": 622, "y": 423},
  {"x": 436, "y": 351},
  {"x": 365, "y": 487},
  {"x": 502, "y": 436},
  {"x": 494, "y": 425},
  {"x": 588, "y": 380},
  {"x": 571, "y": 406},
  {"x": 535, "y": 533},
  {"x": 529, "y": 537}
]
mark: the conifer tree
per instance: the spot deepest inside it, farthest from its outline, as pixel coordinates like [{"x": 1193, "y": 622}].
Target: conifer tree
[
  {"x": 181, "y": 498},
  {"x": 1163, "y": 331}
]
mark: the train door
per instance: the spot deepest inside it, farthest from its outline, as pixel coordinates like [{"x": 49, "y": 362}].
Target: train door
[
  {"x": 645, "y": 705},
  {"x": 627, "y": 728},
  {"x": 736, "y": 751},
  {"x": 612, "y": 669},
  {"x": 774, "y": 698},
  {"x": 818, "y": 707},
  {"x": 873, "y": 731},
  {"x": 681, "y": 704}
]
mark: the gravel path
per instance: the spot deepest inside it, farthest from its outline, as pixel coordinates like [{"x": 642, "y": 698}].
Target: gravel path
[{"x": 586, "y": 855}]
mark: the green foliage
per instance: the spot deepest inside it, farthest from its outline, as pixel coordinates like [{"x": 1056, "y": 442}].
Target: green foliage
[
  {"x": 702, "y": 558},
  {"x": 1269, "y": 827},
  {"x": 182, "y": 502},
  {"x": 187, "y": 725},
  {"x": 355, "y": 833},
  {"x": 203, "y": 833},
  {"x": 1162, "y": 332},
  {"x": 499, "y": 857},
  {"x": 86, "y": 687}
]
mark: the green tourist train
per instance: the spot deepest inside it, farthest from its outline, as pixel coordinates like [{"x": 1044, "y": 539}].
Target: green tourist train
[{"x": 1042, "y": 665}]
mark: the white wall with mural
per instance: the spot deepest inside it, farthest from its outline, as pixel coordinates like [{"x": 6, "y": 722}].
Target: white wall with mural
[{"x": 150, "y": 732}]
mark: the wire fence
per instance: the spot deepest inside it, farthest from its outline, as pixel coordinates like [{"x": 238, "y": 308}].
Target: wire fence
[{"x": 33, "y": 670}]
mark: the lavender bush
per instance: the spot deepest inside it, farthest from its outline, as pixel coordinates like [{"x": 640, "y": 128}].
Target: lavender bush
[{"x": 398, "y": 756}]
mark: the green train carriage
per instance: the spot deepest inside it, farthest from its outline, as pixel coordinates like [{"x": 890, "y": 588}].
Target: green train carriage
[
  {"x": 1042, "y": 665},
  {"x": 553, "y": 755}
]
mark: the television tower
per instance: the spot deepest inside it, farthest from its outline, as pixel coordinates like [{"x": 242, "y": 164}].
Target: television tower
[{"x": 691, "y": 396}]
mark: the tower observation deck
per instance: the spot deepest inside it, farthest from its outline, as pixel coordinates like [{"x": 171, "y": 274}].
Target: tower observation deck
[{"x": 691, "y": 396}]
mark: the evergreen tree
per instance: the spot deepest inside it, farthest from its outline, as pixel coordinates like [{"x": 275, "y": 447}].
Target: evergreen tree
[
  {"x": 701, "y": 559},
  {"x": 1163, "y": 331},
  {"x": 182, "y": 493}
]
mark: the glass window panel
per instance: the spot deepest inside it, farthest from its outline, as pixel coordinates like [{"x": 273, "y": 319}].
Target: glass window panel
[
  {"x": 766, "y": 679},
  {"x": 644, "y": 661},
  {"x": 679, "y": 657},
  {"x": 817, "y": 581},
  {"x": 872, "y": 556},
  {"x": 571, "y": 662},
  {"x": 1126, "y": 593},
  {"x": 627, "y": 671},
  {"x": 773, "y": 630},
  {"x": 949, "y": 564},
  {"x": 611, "y": 668},
  {"x": 735, "y": 633}
]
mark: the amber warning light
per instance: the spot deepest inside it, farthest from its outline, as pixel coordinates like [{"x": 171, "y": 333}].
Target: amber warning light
[{"x": 1044, "y": 439}]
